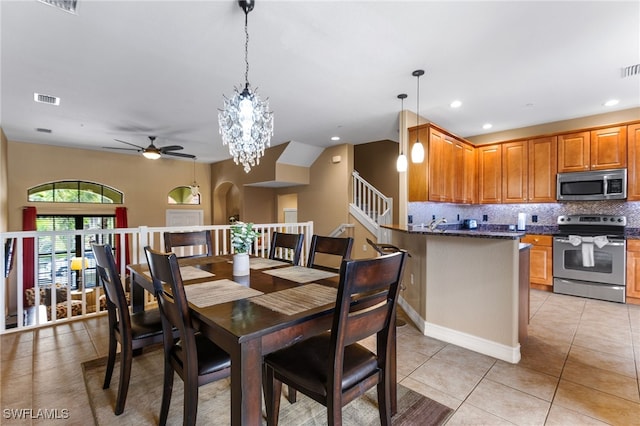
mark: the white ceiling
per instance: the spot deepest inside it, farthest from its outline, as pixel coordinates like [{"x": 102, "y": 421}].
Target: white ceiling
[{"x": 129, "y": 69}]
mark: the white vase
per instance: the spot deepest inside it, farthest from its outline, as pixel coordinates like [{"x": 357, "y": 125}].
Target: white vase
[{"x": 241, "y": 264}]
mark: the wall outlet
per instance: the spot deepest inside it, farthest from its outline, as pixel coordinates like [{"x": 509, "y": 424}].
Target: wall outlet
[
  {"x": 364, "y": 247},
  {"x": 411, "y": 279},
  {"x": 534, "y": 218},
  {"x": 485, "y": 217},
  {"x": 458, "y": 217},
  {"x": 433, "y": 217}
]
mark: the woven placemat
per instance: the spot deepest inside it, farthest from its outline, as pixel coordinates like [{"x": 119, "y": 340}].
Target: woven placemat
[
  {"x": 298, "y": 299},
  {"x": 215, "y": 292},
  {"x": 263, "y": 263},
  {"x": 301, "y": 274}
]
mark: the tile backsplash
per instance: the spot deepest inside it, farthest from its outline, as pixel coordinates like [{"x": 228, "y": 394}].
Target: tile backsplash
[{"x": 507, "y": 214}]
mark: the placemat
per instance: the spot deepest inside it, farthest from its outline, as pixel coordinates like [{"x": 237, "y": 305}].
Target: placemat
[
  {"x": 220, "y": 291},
  {"x": 263, "y": 263},
  {"x": 301, "y": 274},
  {"x": 188, "y": 273},
  {"x": 298, "y": 299}
]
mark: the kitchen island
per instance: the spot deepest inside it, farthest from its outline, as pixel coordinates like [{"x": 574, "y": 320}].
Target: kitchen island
[{"x": 463, "y": 287}]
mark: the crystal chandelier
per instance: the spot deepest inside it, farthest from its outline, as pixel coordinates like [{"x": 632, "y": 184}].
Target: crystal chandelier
[{"x": 246, "y": 124}]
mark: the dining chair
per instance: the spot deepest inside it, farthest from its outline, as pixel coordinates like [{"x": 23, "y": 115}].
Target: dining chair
[
  {"x": 133, "y": 331},
  {"x": 198, "y": 240},
  {"x": 195, "y": 358},
  {"x": 332, "y": 368},
  {"x": 334, "y": 246},
  {"x": 286, "y": 247}
]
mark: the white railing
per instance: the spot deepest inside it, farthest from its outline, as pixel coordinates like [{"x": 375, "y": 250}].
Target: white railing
[
  {"x": 374, "y": 205},
  {"x": 53, "y": 278}
]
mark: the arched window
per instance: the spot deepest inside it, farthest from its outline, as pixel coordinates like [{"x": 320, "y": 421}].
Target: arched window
[
  {"x": 183, "y": 195},
  {"x": 74, "y": 191}
]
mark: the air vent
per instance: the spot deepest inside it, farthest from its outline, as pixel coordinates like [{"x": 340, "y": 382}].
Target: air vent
[
  {"x": 43, "y": 130},
  {"x": 46, "y": 99},
  {"x": 631, "y": 70},
  {"x": 66, "y": 5}
]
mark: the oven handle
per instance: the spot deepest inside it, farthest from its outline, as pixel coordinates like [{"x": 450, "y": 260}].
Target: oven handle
[{"x": 566, "y": 241}]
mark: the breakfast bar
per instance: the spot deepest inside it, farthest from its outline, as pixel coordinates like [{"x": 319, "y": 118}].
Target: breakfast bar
[{"x": 464, "y": 287}]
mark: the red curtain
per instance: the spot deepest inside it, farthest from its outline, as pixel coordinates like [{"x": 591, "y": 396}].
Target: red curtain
[
  {"x": 28, "y": 224},
  {"x": 121, "y": 222}
]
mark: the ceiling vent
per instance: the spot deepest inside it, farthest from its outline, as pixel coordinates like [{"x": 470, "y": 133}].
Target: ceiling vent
[
  {"x": 46, "y": 99},
  {"x": 66, "y": 5},
  {"x": 631, "y": 70},
  {"x": 43, "y": 130}
]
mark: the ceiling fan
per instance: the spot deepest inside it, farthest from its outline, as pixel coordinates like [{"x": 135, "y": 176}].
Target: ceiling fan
[{"x": 153, "y": 152}]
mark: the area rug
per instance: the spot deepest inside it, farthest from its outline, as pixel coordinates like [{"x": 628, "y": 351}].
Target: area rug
[{"x": 145, "y": 394}]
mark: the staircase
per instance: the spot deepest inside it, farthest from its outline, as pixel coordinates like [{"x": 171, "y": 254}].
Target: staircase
[{"x": 371, "y": 208}]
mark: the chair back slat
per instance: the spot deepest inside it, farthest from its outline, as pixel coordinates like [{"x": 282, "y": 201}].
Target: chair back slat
[
  {"x": 334, "y": 246},
  {"x": 199, "y": 241},
  {"x": 286, "y": 247}
]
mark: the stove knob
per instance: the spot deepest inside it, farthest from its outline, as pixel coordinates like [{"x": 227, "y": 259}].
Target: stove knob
[
  {"x": 620, "y": 219},
  {"x": 568, "y": 219},
  {"x": 604, "y": 219}
]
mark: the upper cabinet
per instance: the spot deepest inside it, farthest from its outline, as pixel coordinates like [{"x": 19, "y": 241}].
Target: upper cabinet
[
  {"x": 448, "y": 172},
  {"x": 633, "y": 169},
  {"x": 542, "y": 170},
  {"x": 489, "y": 174},
  {"x": 515, "y": 161},
  {"x": 595, "y": 150}
]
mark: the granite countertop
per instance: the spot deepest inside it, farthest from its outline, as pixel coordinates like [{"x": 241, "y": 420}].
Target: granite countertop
[{"x": 454, "y": 231}]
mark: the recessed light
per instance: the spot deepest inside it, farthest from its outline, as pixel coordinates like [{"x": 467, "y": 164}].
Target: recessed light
[
  {"x": 456, "y": 104},
  {"x": 335, "y": 138},
  {"x": 487, "y": 126},
  {"x": 611, "y": 102}
]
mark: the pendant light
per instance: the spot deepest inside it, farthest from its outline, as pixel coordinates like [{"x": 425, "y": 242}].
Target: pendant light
[
  {"x": 195, "y": 188},
  {"x": 401, "y": 162},
  {"x": 246, "y": 124},
  {"x": 417, "y": 151}
]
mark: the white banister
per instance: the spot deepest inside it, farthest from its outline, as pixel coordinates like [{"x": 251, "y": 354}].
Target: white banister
[{"x": 371, "y": 207}]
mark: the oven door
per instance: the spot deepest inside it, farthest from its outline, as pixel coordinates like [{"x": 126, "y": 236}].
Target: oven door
[{"x": 606, "y": 265}]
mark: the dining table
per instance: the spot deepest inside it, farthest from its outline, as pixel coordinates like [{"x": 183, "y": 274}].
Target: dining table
[{"x": 273, "y": 307}]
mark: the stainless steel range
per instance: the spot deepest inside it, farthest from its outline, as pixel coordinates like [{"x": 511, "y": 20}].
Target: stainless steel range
[{"x": 589, "y": 257}]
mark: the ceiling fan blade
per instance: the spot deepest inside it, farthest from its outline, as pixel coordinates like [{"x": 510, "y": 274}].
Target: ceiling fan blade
[
  {"x": 129, "y": 143},
  {"x": 170, "y": 148},
  {"x": 121, "y": 149},
  {"x": 179, "y": 154}
]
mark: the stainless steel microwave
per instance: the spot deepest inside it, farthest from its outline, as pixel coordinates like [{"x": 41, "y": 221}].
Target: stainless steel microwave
[{"x": 592, "y": 186}]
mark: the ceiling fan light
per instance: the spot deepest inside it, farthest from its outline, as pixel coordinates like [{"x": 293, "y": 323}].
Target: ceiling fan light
[
  {"x": 150, "y": 154},
  {"x": 417, "y": 152}
]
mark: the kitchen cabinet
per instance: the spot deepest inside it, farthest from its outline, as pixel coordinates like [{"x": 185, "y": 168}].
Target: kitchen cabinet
[
  {"x": 541, "y": 261},
  {"x": 543, "y": 166},
  {"x": 418, "y": 177},
  {"x": 633, "y": 271},
  {"x": 489, "y": 174},
  {"x": 633, "y": 158},
  {"x": 598, "y": 149},
  {"x": 441, "y": 166},
  {"x": 464, "y": 158},
  {"x": 515, "y": 172}
]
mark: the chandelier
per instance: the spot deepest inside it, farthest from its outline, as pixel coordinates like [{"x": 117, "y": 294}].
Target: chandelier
[{"x": 246, "y": 124}]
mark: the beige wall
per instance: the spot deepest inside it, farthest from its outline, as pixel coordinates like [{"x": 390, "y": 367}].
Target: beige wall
[
  {"x": 4, "y": 178},
  {"x": 145, "y": 183}
]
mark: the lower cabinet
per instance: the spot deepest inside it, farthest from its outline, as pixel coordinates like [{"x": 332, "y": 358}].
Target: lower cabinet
[
  {"x": 541, "y": 261},
  {"x": 633, "y": 271}
]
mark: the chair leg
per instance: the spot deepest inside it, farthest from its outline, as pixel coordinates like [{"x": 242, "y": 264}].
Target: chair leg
[
  {"x": 111, "y": 360},
  {"x": 125, "y": 376},
  {"x": 384, "y": 400},
  {"x": 272, "y": 392},
  {"x": 292, "y": 395},
  {"x": 334, "y": 410},
  {"x": 167, "y": 388},
  {"x": 190, "y": 402}
]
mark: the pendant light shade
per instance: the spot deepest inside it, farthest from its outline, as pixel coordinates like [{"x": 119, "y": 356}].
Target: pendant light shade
[
  {"x": 417, "y": 151},
  {"x": 401, "y": 162},
  {"x": 246, "y": 124}
]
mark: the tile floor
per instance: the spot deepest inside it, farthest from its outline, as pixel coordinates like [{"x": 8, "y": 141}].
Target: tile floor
[{"x": 580, "y": 366}]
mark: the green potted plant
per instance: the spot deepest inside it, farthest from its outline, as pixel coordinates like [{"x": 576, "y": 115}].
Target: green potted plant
[{"x": 242, "y": 238}]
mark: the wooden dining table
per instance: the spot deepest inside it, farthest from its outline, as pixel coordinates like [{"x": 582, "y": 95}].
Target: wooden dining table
[{"x": 273, "y": 315}]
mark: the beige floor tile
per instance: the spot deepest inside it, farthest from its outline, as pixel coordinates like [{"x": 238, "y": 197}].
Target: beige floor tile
[
  {"x": 430, "y": 392},
  {"x": 467, "y": 414},
  {"x": 509, "y": 404},
  {"x": 560, "y": 416},
  {"x": 446, "y": 377},
  {"x": 602, "y": 380},
  {"x": 529, "y": 381},
  {"x": 408, "y": 361},
  {"x": 596, "y": 404},
  {"x": 17, "y": 347},
  {"x": 421, "y": 344},
  {"x": 603, "y": 344},
  {"x": 606, "y": 361},
  {"x": 464, "y": 358},
  {"x": 65, "y": 340},
  {"x": 542, "y": 357},
  {"x": 16, "y": 367}
]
